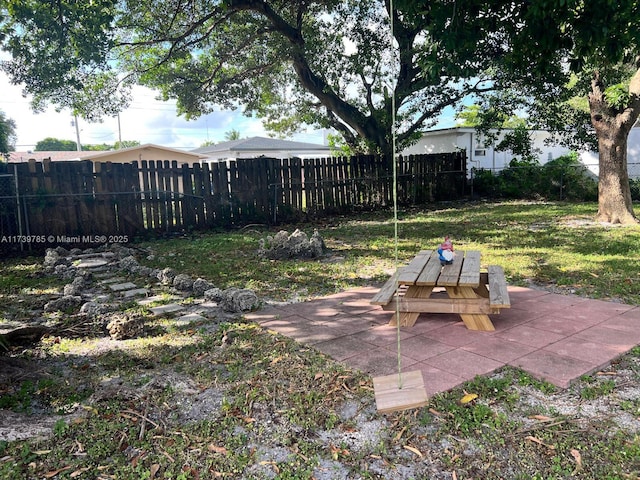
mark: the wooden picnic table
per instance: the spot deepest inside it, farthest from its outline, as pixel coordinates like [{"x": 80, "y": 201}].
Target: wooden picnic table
[{"x": 470, "y": 293}]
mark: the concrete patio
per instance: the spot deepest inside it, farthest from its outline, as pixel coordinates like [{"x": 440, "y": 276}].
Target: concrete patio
[{"x": 553, "y": 337}]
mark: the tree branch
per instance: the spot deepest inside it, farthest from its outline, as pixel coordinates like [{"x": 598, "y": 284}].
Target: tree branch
[
  {"x": 630, "y": 114},
  {"x": 451, "y": 100},
  {"x": 314, "y": 83}
]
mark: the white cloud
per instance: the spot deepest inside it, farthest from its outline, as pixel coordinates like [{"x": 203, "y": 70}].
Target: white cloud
[{"x": 147, "y": 120}]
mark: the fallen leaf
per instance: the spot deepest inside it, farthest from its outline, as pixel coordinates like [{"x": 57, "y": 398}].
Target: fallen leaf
[
  {"x": 540, "y": 442},
  {"x": 399, "y": 434},
  {"x": 454, "y": 475},
  {"x": 335, "y": 451},
  {"x": 53, "y": 473},
  {"x": 169, "y": 457},
  {"x": 271, "y": 463},
  {"x": 541, "y": 418},
  {"x": 153, "y": 470},
  {"x": 129, "y": 417},
  {"x": 42, "y": 452},
  {"x": 80, "y": 472},
  {"x": 435, "y": 412},
  {"x": 414, "y": 450},
  {"x": 216, "y": 449},
  {"x": 578, "y": 458},
  {"x": 90, "y": 409},
  {"x": 469, "y": 397},
  {"x": 191, "y": 471},
  {"x": 318, "y": 376}
]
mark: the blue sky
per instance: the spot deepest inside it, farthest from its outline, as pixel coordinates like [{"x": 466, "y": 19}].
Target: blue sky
[{"x": 147, "y": 120}]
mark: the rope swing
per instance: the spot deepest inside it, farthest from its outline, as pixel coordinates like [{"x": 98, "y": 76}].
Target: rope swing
[{"x": 397, "y": 391}]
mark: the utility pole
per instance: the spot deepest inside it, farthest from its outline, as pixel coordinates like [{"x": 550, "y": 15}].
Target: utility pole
[
  {"x": 75, "y": 122},
  {"x": 119, "y": 133}
]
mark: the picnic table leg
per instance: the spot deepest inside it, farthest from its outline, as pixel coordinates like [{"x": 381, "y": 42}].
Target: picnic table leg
[
  {"x": 482, "y": 291},
  {"x": 408, "y": 319},
  {"x": 472, "y": 321}
]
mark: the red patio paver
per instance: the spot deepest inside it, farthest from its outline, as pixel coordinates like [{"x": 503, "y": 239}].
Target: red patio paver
[{"x": 553, "y": 337}]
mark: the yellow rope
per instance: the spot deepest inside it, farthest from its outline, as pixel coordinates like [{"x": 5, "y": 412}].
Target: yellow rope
[{"x": 395, "y": 205}]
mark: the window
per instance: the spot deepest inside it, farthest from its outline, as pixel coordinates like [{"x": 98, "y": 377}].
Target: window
[{"x": 480, "y": 152}]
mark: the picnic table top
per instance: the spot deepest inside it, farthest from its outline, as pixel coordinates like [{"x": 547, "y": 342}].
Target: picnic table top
[{"x": 426, "y": 270}]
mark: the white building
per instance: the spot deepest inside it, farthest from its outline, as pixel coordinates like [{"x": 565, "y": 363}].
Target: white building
[
  {"x": 255, "y": 147},
  {"x": 481, "y": 156}
]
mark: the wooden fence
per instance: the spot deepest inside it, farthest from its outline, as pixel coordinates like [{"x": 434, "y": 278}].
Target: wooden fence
[{"x": 82, "y": 200}]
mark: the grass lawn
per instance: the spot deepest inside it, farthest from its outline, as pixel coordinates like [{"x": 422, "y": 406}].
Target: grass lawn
[
  {"x": 235, "y": 401},
  {"x": 546, "y": 243}
]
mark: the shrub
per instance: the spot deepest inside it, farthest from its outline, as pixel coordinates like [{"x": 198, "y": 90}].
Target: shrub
[
  {"x": 568, "y": 179},
  {"x": 522, "y": 179},
  {"x": 564, "y": 178},
  {"x": 634, "y": 184}
]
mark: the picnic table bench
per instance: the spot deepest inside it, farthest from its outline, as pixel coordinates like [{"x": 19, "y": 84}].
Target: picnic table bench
[{"x": 471, "y": 293}]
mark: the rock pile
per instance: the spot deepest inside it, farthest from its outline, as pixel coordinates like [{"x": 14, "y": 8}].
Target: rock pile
[
  {"x": 282, "y": 246},
  {"x": 91, "y": 294}
]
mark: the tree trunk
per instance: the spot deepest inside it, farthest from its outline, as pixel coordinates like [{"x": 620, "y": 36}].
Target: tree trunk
[
  {"x": 614, "y": 194},
  {"x": 612, "y": 128}
]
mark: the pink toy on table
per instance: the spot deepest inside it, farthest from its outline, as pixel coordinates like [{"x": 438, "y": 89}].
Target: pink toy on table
[{"x": 445, "y": 252}]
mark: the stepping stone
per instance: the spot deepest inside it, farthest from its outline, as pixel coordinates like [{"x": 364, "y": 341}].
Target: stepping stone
[
  {"x": 188, "y": 319},
  {"x": 208, "y": 305},
  {"x": 118, "y": 287},
  {"x": 106, "y": 281},
  {"x": 92, "y": 263},
  {"x": 170, "y": 308},
  {"x": 136, "y": 292},
  {"x": 157, "y": 298}
]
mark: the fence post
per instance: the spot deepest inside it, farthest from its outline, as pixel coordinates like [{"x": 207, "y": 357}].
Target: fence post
[{"x": 18, "y": 214}]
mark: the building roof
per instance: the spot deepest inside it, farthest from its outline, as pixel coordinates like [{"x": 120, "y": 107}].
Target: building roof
[
  {"x": 95, "y": 154},
  {"x": 146, "y": 146},
  {"x": 260, "y": 144},
  {"x": 18, "y": 157}
]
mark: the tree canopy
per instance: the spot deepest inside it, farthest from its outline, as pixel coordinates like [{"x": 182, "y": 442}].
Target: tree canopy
[
  {"x": 7, "y": 134},
  {"x": 475, "y": 116},
  {"x": 326, "y": 63},
  {"x": 125, "y": 144},
  {"x": 51, "y": 144},
  {"x": 232, "y": 134},
  {"x": 557, "y": 53}
]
